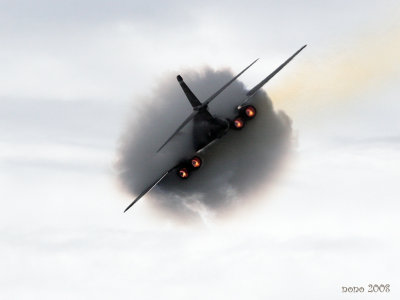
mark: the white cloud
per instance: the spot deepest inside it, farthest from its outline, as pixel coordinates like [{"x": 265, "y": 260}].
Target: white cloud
[{"x": 68, "y": 72}]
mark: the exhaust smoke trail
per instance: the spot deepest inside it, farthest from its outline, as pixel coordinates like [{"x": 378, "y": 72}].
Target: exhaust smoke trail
[{"x": 338, "y": 73}]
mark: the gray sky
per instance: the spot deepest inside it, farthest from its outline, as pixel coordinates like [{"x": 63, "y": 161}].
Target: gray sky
[{"x": 71, "y": 75}]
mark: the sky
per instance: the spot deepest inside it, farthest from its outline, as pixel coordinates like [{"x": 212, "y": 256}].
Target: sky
[{"x": 74, "y": 74}]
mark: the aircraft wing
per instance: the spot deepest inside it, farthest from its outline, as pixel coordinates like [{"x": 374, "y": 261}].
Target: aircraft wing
[
  {"x": 268, "y": 78},
  {"x": 148, "y": 189}
]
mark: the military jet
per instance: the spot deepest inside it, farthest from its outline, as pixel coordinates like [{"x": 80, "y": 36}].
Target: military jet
[{"x": 208, "y": 128}]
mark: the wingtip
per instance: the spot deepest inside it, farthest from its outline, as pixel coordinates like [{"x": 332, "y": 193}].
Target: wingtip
[
  {"x": 298, "y": 51},
  {"x": 162, "y": 146},
  {"x": 129, "y": 206}
]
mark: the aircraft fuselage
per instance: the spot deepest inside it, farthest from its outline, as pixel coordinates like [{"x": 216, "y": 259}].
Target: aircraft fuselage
[{"x": 207, "y": 128}]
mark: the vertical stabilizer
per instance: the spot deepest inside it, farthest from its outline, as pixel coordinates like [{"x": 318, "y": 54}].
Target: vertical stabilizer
[{"x": 189, "y": 94}]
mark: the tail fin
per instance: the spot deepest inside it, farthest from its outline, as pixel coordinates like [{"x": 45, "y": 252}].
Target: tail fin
[
  {"x": 197, "y": 105},
  {"x": 189, "y": 94}
]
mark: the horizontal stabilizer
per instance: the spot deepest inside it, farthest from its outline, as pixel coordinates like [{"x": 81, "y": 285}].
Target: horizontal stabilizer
[{"x": 183, "y": 124}]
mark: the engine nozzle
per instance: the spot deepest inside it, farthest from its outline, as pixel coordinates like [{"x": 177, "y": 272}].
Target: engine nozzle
[
  {"x": 183, "y": 173},
  {"x": 238, "y": 123},
  {"x": 196, "y": 162}
]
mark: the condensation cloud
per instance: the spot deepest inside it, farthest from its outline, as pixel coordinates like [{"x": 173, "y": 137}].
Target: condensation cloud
[{"x": 233, "y": 167}]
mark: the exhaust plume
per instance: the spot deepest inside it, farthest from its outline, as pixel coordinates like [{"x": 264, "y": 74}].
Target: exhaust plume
[{"x": 233, "y": 167}]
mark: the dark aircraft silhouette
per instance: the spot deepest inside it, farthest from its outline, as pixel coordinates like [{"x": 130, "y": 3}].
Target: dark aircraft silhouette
[{"x": 208, "y": 128}]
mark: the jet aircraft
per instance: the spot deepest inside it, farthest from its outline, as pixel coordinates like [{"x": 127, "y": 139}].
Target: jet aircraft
[{"x": 208, "y": 128}]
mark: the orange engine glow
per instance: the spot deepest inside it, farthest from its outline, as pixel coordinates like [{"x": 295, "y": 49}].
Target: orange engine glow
[
  {"x": 196, "y": 162},
  {"x": 183, "y": 173},
  {"x": 238, "y": 122},
  {"x": 250, "y": 111}
]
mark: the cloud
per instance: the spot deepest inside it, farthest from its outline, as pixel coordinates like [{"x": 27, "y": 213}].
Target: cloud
[{"x": 233, "y": 168}]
